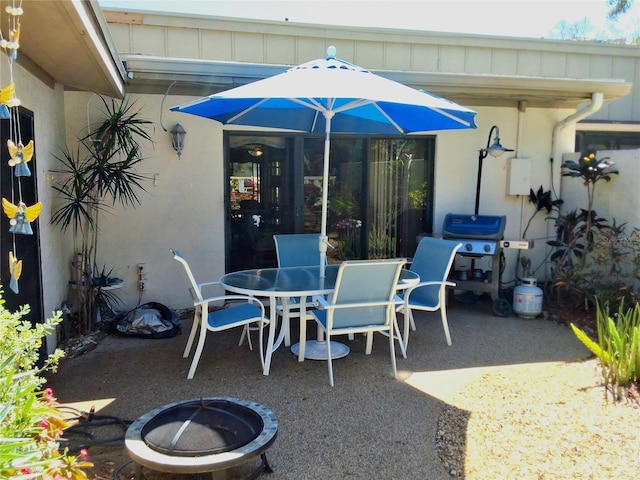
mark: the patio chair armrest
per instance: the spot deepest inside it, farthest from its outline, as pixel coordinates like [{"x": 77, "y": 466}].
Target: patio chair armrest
[
  {"x": 225, "y": 298},
  {"x": 444, "y": 283},
  {"x": 321, "y": 302}
]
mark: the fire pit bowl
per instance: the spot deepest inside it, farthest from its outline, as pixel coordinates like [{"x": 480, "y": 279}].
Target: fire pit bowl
[{"x": 202, "y": 435}]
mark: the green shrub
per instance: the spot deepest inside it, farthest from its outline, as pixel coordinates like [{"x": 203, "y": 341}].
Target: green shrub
[
  {"x": 592, "y": 258},
  {"x": 618, "y": 345},
  {"x": 30, "y": 423}
]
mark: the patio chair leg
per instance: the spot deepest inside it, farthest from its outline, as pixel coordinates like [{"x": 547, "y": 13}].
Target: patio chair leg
[
  {"x": 445, "y": 324},
  {"x": 329, "y": 362},
  {"x": 198, "y": 352},
  {"x": 392, "y": 350},
  {"x": 408, "y": 319},
  {"x": 245, "y": 333},
  {"x": 396, "y": 329},
  {"x": 192, "y": 333},
  {"x": 369, "y": 344},
  {"x": 247, "y": 330}
]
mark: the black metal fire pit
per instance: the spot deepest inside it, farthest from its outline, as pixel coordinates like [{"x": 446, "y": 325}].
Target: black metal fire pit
[{"x": 203, "y": 435}]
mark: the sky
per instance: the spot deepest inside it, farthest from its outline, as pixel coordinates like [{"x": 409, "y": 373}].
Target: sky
[{"x": 516, "y": 18}]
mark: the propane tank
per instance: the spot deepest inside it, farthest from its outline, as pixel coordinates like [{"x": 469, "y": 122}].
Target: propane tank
[{"x": 527, "y": 298}]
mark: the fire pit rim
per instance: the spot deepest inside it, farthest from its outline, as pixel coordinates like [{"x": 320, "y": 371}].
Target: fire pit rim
[{"x": 142, "y": 454}]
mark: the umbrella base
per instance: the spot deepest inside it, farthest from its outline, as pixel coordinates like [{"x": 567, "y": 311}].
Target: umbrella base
[{"x": 317, "y": 350}]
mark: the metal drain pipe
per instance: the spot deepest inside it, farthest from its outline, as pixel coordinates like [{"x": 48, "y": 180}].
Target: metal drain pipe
[{"x": 597, "y": 99}]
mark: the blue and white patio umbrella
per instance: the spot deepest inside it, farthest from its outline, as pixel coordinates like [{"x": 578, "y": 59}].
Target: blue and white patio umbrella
[{"x": 349, "y": 98}]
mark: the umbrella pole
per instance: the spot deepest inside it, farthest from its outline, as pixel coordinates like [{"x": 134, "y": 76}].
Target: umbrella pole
[{"x": 325, "y": 192}]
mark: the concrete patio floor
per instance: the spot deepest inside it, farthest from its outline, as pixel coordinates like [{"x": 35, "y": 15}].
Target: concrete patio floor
[{"x": 367, "y": 426}]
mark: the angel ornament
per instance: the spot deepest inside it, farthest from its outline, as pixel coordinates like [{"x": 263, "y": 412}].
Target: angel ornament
[
  {"x": 20, "y": 155},
  {"x": 21, "y": 216},
  {"x": 15, "y": 269},
  {"x": 7, "y": 94}
]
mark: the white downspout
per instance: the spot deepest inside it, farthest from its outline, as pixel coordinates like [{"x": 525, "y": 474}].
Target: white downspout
[{"x": 597, "y": 99}]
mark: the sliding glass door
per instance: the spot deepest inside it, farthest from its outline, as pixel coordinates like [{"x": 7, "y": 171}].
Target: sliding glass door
[
  {"x": 400, "y": 193},
  {"x": 380, "y": 195}
]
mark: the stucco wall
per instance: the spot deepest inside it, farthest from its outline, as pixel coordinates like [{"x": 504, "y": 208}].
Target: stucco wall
[
  {"x": 185, "y": 210},
  {"x": 618, "y": 198},
  {"x": 529, "y": 134}
]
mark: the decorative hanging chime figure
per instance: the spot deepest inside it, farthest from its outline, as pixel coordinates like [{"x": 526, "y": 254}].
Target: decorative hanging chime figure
[
  {"x": 13, "y": 44},
  {"x": 20, "y": 155},
  {"x": 21, "y": 216},
  {"x": 6, "y": 95},
  {"x": 15, "y": 269}
]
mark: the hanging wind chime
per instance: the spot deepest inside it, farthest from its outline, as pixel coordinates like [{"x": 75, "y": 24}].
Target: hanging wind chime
[{"x": 20, "y": 214}]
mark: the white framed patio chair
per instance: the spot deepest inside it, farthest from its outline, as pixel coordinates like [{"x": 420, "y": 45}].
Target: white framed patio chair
[
  {"x": 238, "y": 311},
  {"x": 432, "y": 262},
  {"x": 295, "y": 250},
  {"x": 364, "y": 301}
]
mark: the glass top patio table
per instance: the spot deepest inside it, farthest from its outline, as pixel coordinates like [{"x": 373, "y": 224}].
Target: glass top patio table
[
  {"x": 281, "y": 282},
  {"x": 299, "y": 282}
]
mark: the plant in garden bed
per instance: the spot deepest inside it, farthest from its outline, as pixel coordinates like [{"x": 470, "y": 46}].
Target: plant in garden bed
[
  {"x": 617, "y": 347},
  {"x": 542, "y": 201},
  {"x": 592, "y": 170},
  {"x": 103, "y": 171},
  {"x": 608, "y": 271},
  {"x": 30, "y": 423},
  {"x": 583, "y": 263},
  {"x": 570, "y": 263}
]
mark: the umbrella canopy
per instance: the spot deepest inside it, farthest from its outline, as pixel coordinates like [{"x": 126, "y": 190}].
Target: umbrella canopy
[{"x": 328, "y": 95}]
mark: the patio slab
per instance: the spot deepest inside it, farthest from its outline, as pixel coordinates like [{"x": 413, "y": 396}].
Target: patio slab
[{"x": 367, "y": 426}]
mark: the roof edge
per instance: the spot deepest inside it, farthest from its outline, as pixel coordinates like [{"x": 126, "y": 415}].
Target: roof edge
[{"x": 477, "y": 89}]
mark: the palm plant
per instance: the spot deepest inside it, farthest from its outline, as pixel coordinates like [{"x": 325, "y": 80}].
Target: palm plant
[{"x": 101, "y": 173}]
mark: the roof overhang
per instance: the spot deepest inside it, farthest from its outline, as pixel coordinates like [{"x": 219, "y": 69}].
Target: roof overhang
[
  {"x": 148, "y": 74},
  {"x": 68, "y": 42}
]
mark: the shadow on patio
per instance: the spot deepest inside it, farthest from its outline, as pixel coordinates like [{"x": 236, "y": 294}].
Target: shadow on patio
[{"x": 367, "y": 426}]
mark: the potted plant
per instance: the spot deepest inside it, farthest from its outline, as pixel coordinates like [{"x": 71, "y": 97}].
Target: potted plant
[{"x": 101, "y": 173}]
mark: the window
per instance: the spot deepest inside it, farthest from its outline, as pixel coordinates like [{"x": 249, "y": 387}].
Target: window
[
  {"x": 379, "y": 200},
  {"x": 590, "y": 141}
]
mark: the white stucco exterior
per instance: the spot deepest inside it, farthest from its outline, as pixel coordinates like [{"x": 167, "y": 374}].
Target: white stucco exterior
[
  {"x": 185, "y": 210},
  {"x": 617, "y": 199}
]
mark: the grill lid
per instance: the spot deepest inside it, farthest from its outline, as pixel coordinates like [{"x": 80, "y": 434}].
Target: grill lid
[
  {"x": 486, "y": 227},
  {"x": 200, "y": 428}
]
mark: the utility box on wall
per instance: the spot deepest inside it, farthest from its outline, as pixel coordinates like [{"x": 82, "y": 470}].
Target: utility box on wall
[{"x": 519, "y": 176}]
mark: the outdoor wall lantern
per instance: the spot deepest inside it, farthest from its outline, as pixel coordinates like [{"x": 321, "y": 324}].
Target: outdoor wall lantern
[
  {"x": 177, "y": 138},
  {"x": 494, "y": 149}
]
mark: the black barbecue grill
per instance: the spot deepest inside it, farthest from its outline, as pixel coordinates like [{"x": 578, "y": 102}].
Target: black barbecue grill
[{"x": 480, "y": 236}]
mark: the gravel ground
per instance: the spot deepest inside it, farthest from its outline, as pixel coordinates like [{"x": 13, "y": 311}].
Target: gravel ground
[
  {"x": 539, "y": 422},
  {"x": 499, "y": 393}
]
